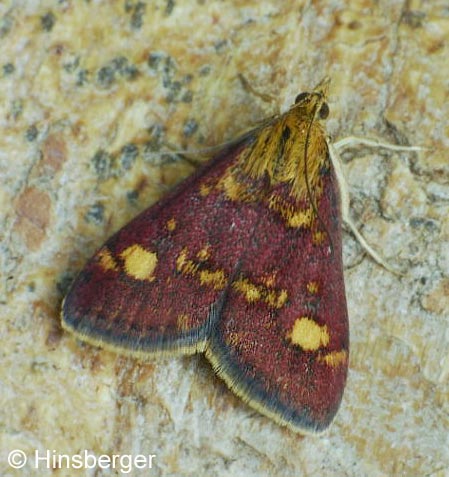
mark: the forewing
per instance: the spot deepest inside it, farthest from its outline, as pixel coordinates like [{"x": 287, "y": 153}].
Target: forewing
[
  {"x": 151, "y": 286},
  {"x": 282, "y": 339}
]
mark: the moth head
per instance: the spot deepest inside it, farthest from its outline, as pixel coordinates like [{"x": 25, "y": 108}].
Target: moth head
[{"x": 315, "y": 101}]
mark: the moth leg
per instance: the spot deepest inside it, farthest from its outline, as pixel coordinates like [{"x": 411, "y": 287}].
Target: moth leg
[
  {"x": 351, "y": 141},
  {"x": 247, "y": 86},
  {"x": 345, "y": 203}
]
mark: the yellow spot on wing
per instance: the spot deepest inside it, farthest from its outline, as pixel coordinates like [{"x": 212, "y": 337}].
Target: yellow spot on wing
[
  {"x": 294, "y": 217},
  {"x": 276, "y": 299},
  {"x": 300, "y": 218},
  {"x": 183, "y": 322},
  {"x": 318, "y": 237},
  {"x": 282, "y": 298},
  {"x": 308, "y": 334},
  {"x": 270, "y": 279},
  {"x": 184, "y": 265},
  {"x": 234, "y": 189},
  {"x": 335, "y": 358},
  {"x": 233, "y": 339},
  {"x": 312, "y": 287},
  {"x": 253, "y": 293},
  {"x": 217, "y": 279},
  {"x": 205, "y": 189},
  {"x": 106, "y": 260},
  {"x": 204, "y": 253},
  {"x": 248, "y": 289},
  {"x": 171, "y": 224},
  {"x": 139, "y": 263},
  {"x": 231, "y": 187}
]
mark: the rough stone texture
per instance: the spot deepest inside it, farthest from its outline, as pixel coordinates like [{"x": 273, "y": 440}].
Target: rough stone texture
[{"x": 88, "y": 90}]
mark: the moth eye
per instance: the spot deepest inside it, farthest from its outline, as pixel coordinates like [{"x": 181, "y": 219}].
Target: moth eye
[
  {"x": 300, "y": 97},
  {"x": 323, "y": 113}
]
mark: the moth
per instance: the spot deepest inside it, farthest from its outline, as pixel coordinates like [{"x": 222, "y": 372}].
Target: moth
[{"x": 242, "y": 262}]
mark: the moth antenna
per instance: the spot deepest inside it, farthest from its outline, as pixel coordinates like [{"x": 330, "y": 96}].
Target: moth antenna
[{"x": 309, "y": 189}]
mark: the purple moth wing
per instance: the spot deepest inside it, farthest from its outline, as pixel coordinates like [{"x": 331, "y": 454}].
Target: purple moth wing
[
  {"x": 282, "y": 339},
  {"x": 151, "y": 286}
]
